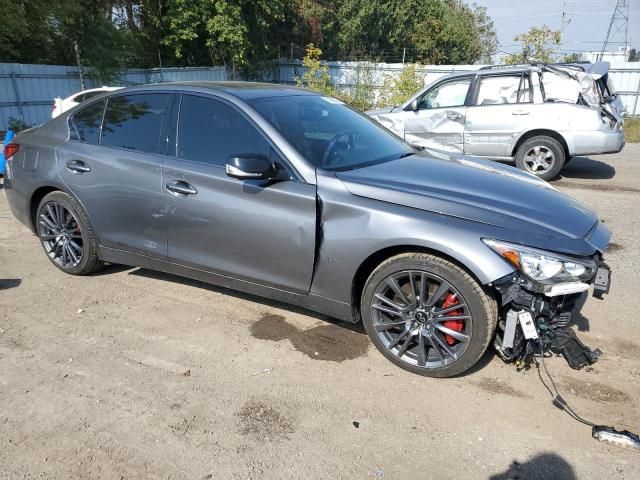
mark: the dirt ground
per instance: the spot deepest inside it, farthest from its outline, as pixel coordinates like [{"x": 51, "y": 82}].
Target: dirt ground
[{"x": 136, "y": 374}]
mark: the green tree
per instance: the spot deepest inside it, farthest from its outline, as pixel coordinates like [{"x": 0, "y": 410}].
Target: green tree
[
  {"x": 539, "y": 44},
  {"x": 45, "y": 31},
  {"x": 433, "y": 31},
  {"x": 398, "y": 89},
  {"x": 486, "y": 34},
  {"x": 112, "y": 34},
  {"x": 571, "y": 58},
  {"x": 316, "y": 74},
  {"x": 232, "y": 32}
]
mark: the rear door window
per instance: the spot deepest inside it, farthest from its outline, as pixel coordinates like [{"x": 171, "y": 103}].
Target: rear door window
[
  {"x": 503, "y": 90},
  {"x": 134, "y": 122},
  {"x": 84, "y": 126},
  {"x": 210, "y": 131}
]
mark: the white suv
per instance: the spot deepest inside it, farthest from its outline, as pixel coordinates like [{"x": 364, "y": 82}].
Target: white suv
[
  {"x": 62, "y": 105},
  {"x": 536, "y": 116}
]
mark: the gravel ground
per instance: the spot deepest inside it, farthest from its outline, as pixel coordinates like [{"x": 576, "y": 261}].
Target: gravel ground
[{"x": 136, "y": 374}]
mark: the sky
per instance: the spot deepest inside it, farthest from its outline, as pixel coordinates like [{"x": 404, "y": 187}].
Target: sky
[{"x": 588, "y": 21}]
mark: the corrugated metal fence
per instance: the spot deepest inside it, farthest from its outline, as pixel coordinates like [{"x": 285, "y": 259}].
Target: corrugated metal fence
[{"x": 27, "y": 91}]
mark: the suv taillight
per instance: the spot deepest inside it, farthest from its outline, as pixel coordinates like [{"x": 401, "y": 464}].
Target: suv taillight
[{"x": 10, "y": 149}]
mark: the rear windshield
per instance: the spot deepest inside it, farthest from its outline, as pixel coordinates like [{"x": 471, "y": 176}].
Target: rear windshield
[
  {"x": 329, "y": 134},
  {"x": 605, "y": 85}
]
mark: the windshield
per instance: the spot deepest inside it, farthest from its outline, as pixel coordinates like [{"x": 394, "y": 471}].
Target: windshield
[{"x": 329, "y": 134}]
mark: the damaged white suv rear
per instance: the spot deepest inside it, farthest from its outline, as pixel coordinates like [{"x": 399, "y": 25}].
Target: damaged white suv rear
[{"x": 536, "y": 116}]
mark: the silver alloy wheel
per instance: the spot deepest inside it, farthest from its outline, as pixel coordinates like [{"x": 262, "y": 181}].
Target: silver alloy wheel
[
  {"x": 408, "y": 317},
  {"x": 59, "y": 231},
  {"x": 539, "y": 159}
]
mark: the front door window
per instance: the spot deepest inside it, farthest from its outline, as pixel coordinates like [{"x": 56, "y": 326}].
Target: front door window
[{"x": 449, "y": 94}]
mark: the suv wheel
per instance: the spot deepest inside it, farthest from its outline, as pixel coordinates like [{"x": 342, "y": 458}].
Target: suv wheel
[
  {"x": 427, "y": 315},
  {"x": 542, "y": 156},
  {"x": 66, "y": 234}
]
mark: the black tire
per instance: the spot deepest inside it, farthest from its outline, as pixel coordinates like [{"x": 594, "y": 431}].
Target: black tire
[
  {"x": 480, "y": 306},
  {"x": 79, "y": 229},
  {"x": 546, "y": 169}
]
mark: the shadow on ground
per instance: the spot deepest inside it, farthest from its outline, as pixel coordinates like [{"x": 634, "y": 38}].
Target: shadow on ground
[
  {"x": 324, "y": 342},
  {"x": 577, "y": 318},
  {"x": 167, "y": 277},
  {"x": 540, "y": 467},
  {"x": 7, "y": 283},
  {"x": 588, "y": 169}
]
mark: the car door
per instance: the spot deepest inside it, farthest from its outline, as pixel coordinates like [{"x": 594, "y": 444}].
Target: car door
[
  {"x": 112, "y": 165},
  {"x": 498, "y": 112},
  {"x": 260, "y": 231},
  {"x": 439, "y": 118}
]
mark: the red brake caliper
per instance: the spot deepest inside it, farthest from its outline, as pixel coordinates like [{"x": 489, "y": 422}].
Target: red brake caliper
[{"x": 456, "y": 325}]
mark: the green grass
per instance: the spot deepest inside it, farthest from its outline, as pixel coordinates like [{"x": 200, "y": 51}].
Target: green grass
[{"x": 632, "y": 129}]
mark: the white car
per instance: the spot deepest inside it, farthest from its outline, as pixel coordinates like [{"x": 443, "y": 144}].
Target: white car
[{"x": 62, "y": 105}]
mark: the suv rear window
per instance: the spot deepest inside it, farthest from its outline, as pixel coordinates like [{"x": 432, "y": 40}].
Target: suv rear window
[
  {"x": 84, "y": 126},
  {"x": 134, "y": 121}
]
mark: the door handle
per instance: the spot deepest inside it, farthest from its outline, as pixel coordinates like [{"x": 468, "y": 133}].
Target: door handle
[
  {"x": 181, "y": 188},
  {"x": 520, "y": 112},
  {"x": 78, "y": 166},
  {"x": 454, "y": 115}
]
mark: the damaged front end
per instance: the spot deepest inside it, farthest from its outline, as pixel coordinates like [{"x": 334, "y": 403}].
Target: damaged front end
[{"x": 539, "y": 300}]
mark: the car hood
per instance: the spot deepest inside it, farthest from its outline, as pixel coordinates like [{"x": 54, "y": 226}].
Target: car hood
[
  {"x": 473, "y": 189},
  {"x": 381, "y": 111}
]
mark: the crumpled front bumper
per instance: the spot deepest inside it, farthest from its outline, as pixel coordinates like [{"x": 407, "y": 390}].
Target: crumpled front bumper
[{"x": 550, "y": 317}]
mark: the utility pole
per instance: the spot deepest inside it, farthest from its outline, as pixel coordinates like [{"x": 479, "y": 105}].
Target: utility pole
[
  {"x": 618, "y": 27},
  {"x": 566, "y": 20},
  {"x": 77, "y": 50}
]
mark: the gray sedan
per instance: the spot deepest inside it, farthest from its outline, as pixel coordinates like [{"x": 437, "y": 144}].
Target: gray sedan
[{"x": 290, "y": 195}]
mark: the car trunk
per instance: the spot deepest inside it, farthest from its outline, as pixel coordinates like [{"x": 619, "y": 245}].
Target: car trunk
[{"x": 587, "y": 84}]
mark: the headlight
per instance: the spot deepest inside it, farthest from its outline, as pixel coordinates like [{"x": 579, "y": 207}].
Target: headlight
[{"x": 542, "y": 266}]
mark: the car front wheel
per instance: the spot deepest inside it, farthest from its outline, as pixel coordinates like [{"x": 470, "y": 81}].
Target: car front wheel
[{"x": 427, "y": 315}]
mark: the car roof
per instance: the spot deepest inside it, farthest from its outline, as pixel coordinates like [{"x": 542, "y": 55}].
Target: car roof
[
  {"x": 99, "y": 89},
  {"x": 243, "y": 90},
  {"x": 487, "y": 71}
]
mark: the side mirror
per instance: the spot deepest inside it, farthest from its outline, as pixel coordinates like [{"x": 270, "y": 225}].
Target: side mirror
[
  {"x": 250, "y": 167},
  {"x": 414, "y": 105}
]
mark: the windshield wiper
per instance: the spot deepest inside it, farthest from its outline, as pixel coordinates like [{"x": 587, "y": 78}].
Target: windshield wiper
[{"x": 405, "y": 155}]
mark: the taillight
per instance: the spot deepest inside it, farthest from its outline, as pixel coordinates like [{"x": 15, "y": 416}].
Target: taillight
[{"x": 10, "y": 149}]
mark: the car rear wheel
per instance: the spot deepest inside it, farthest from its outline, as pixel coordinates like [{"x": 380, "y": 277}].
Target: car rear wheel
[
  {"x": 66, "y": 234},
  {"x": 427, "y": 315},
  {"x": 543, "y": 156}
]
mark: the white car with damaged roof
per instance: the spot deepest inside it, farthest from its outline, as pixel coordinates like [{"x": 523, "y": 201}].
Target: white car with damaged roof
[{"x": 538, "y": 116}]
